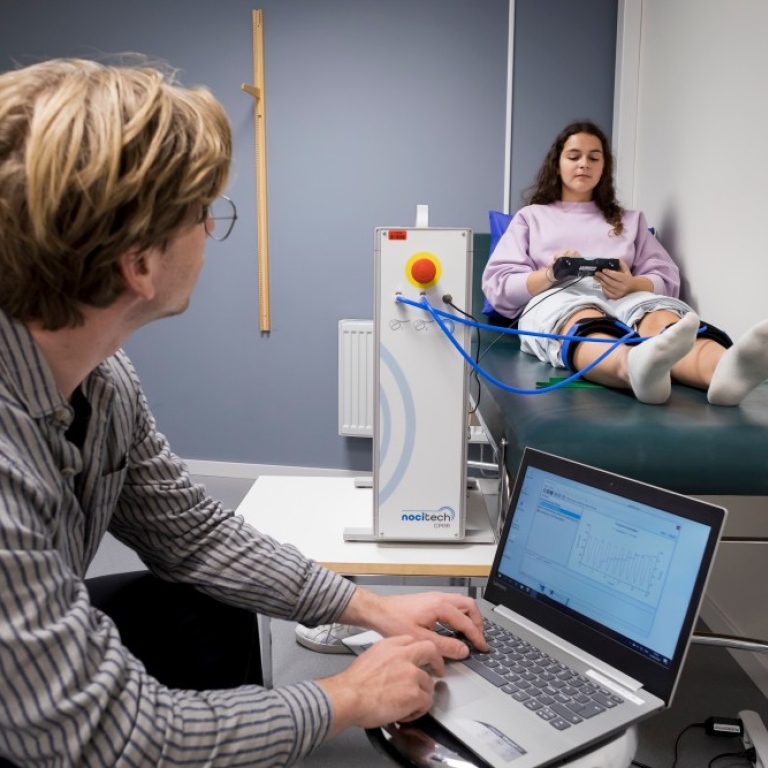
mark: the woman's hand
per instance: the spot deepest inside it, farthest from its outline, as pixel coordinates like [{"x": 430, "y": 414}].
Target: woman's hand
[
  {"x": 562, "y": 254},
  {"x": 619, "y": 283},
  {"x": 543, "y": 279}
]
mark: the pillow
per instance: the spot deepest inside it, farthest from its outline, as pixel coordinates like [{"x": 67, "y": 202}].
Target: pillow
[{"x": 499, "y": 224}]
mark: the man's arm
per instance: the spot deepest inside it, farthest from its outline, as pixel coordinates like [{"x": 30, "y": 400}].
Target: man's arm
[
  {"x": 72, "y": 692},
  {"x": 70, "y": 688},
  {"x": 183, "y": 535}
]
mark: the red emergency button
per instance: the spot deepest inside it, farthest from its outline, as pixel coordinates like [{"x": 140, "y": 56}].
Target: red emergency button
[{"x": 423, "y": 271}]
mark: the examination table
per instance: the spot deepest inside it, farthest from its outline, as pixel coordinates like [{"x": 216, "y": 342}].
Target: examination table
[{"x": 685, "y": 445}]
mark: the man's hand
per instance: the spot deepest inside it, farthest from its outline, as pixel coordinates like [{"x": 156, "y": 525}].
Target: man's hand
[
  {"x": 391, "y": 681},
  {"x": 416, "y": 616}
]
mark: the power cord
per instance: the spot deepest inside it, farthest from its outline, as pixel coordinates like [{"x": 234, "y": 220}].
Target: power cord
[
  {"x": 728, "y": 726},
  {"x": 748, "y": 754},
  {"x": 716, "y": 726},
  {"x": 680, "y": 736},
  {"x": 527, "y": 310},
  {"x": 438, "y": 314},
  {"x": 448, "y": 299},
  {"x": 614, "y": 342},
  {"x": 713, "y": 726}
]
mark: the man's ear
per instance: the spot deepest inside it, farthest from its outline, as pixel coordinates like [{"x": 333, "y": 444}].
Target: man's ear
[{"x": 137, "y": 268}]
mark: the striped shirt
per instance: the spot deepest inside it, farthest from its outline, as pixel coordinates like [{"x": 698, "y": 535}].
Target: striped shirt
[{"x": 70, "y": 693}]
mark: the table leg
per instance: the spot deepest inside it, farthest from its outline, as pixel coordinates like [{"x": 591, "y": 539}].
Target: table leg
[{"x": 265, "y": 647}]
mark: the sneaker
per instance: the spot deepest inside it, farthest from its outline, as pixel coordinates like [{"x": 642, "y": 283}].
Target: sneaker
[{"x": 327, "y": 637}]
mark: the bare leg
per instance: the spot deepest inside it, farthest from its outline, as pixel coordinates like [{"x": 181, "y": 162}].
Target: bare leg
[
  {"x": 729, "y": 375},
  {"x": 645, "y": 368},
  {"x": 696, "y": 368},
  {"x": 611, "y": 372}
]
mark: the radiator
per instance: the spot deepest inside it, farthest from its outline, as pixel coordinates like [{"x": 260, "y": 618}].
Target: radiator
[{"x": 356, "y": 378}]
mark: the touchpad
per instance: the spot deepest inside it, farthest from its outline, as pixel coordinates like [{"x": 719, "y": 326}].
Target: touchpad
[{"x": 457, "y": 689}]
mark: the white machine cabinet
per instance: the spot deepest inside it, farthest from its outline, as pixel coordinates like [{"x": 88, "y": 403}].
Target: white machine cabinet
[{"x": 420, "y": 413}]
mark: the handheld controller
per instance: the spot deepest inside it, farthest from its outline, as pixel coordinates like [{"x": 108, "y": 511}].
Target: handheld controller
[{"x": 577, "y": 266}]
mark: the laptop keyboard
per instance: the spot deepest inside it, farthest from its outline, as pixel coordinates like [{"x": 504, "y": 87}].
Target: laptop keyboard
[{"x": 556, "y": 693}]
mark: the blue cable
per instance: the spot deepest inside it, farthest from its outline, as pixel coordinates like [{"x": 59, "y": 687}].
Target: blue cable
[{"x": 425, "y": 305}]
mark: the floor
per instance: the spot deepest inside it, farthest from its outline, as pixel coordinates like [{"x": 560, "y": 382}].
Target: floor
[{"x": 712, "y": 684}]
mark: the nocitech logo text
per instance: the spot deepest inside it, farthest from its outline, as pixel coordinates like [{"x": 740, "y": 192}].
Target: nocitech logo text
[{"x": 442, "y": 516}]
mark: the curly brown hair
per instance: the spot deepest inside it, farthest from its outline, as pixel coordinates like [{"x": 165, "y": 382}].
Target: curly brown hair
[
  {"x": 548, "y": 186},
  {"x": 96, "y": 160}
]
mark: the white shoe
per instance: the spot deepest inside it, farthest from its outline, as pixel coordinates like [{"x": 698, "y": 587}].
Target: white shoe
[{"x": 327, "y": 637}]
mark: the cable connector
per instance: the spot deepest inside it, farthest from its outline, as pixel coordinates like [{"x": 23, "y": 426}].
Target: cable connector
[{"x": 723, "y": 726}]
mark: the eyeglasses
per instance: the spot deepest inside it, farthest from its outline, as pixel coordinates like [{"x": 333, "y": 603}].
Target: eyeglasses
[{"x": 220, "y": 218}]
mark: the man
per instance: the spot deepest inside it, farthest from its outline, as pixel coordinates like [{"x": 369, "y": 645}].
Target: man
[{"x": 107, "y": 180}]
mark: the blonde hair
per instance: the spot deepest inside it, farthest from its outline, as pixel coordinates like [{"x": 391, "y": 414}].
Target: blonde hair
[{"x": 96, "y": 160}]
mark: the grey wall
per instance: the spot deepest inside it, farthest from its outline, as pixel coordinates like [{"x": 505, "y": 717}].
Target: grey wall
[{"x": 372, "y": 108}]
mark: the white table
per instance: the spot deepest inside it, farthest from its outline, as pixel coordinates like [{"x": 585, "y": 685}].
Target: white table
[{"x": 313, "y": 512}]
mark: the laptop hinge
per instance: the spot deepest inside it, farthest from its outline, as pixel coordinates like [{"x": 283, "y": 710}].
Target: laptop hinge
[{"x": 612, "y": 673}]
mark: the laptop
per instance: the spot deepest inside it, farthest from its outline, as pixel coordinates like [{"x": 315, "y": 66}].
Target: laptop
[{"x": 590, "y": 604}]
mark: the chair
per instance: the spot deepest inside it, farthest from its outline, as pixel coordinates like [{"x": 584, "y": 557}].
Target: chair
[{"x": 426, "y": 744}]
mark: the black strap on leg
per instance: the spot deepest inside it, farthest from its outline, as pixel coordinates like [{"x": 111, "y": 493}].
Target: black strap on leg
[
  {"x": 709, "y": 331},
  {"x": 611, "y": 326},
  {"x": 606, "y": 325}
]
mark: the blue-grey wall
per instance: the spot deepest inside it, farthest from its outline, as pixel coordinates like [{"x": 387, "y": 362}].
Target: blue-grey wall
[
  {"x": 564, "y": 63},
  {"x": 372, "y": 108}
]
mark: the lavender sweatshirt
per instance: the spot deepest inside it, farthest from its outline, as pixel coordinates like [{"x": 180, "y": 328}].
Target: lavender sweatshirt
[{"x": 538, "y": 231}]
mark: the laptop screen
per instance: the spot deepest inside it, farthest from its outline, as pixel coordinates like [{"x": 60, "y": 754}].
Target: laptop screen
[{"x": 624, "y": 560}]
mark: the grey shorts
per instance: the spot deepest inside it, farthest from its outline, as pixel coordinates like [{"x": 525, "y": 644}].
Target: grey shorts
[{"x": 546, "y": 312}]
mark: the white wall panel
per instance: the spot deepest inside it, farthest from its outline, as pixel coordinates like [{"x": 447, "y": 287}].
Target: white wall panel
[{"x": 701, "y": 165}]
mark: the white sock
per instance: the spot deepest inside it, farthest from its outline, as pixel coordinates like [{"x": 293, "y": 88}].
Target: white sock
[
  {"x": 649, "y": 363},
  {"x": 743, "y": 367}
]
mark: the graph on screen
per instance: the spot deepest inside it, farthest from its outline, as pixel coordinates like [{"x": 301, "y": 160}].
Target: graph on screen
[{"x": 623, "y": 557}]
